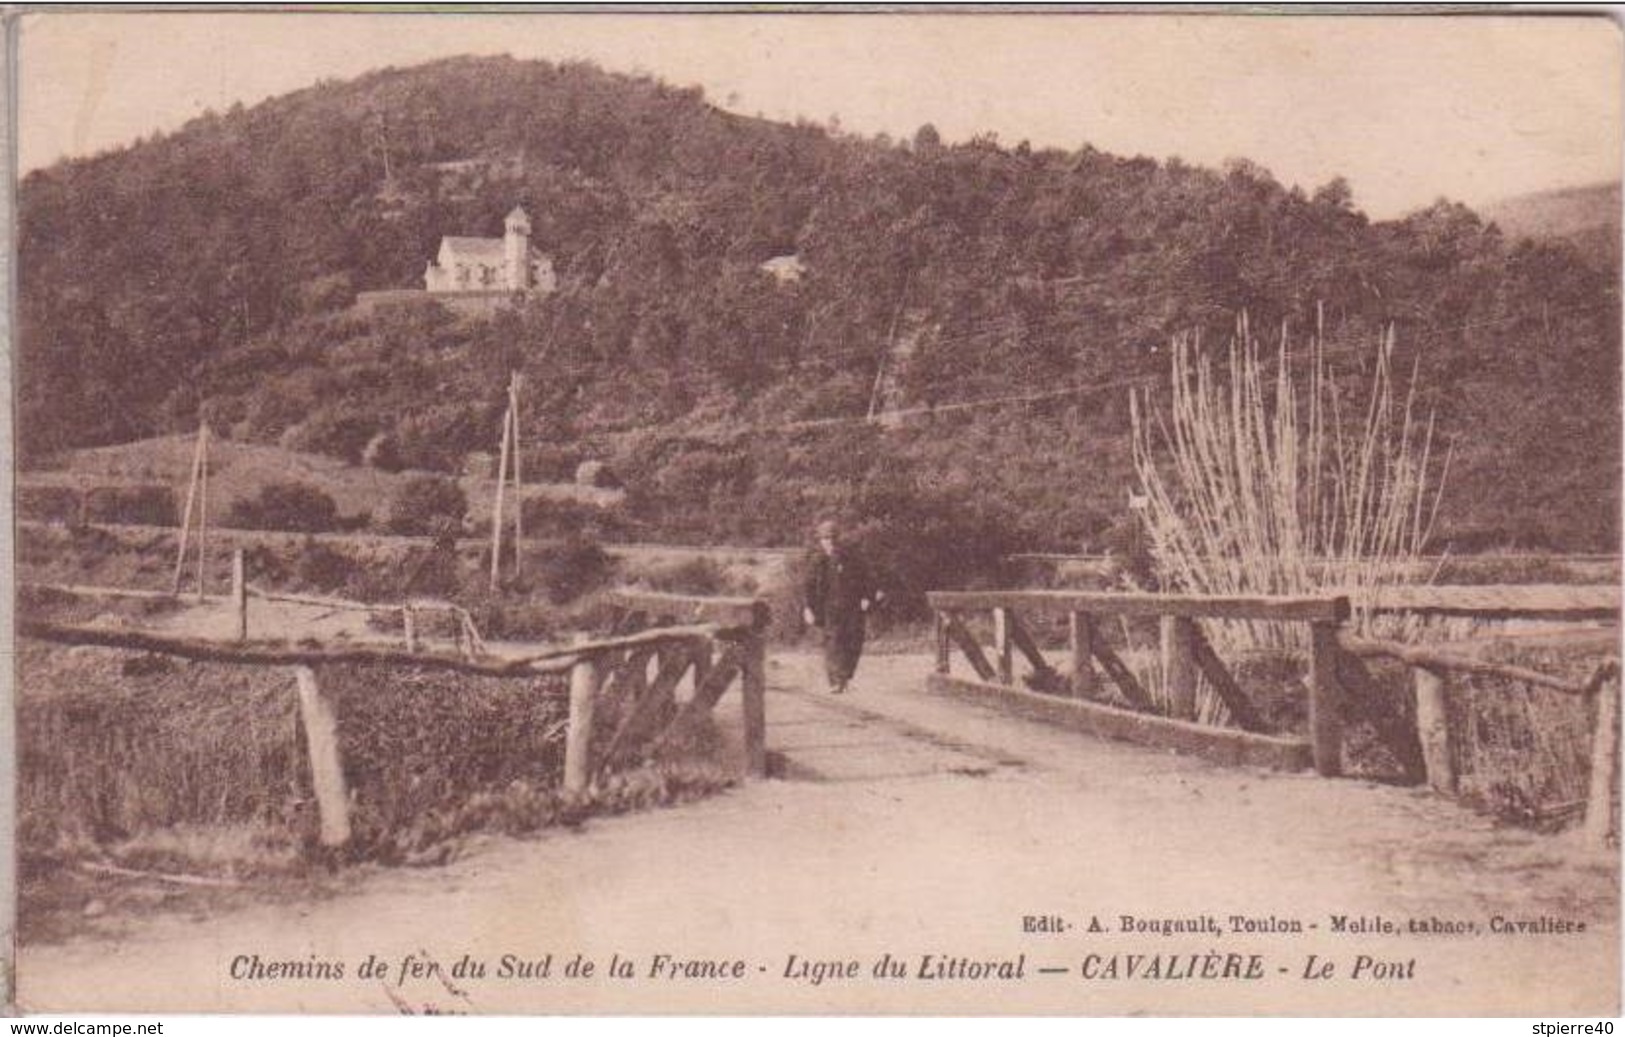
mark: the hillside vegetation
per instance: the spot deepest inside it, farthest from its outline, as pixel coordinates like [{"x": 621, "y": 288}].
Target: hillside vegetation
[
  {"x": 362, "y": 497},
  {"x": 210, "y": 273},
  {"x": 1564, "y": 212},
  {"x": 1587, "y": 217}
]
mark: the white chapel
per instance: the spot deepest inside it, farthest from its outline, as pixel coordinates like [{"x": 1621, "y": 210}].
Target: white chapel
[{"x": 505, "y": 264}]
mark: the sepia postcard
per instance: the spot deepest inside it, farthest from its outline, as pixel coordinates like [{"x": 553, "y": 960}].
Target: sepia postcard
[{"x": 930, "y": 512}]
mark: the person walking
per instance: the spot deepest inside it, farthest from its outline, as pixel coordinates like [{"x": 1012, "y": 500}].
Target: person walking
[{"x": 840, "y": 591}]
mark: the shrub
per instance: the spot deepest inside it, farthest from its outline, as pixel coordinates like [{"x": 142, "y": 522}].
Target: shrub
[
  {"x": 382, "y": 452},
  {"x": 428, "y": 505},
  {"x": 431, "y": 571},
  {"x": 505, "y": 620},
  {"x": 324, "y": 567},
  {"x": 438, "y": 437},
  {"x": 694, "y": 576},
  {"x": 324, "y": 294},
  {"x": 361, "y": 520},
  {"x": 696, "y": 476},
  {"x": 919, "y": 539},
  {"x": 597, "y": 473},
  {"x": 415, "y": 753},
  {"x": 290, "y": 506},
  {"x": 1504, "y": 569},
  {"x": 551, "y": 462},
  {"x": 268, "y": 566},
  {"x": 131, "y": 505},
  {"x": 113, "y": 744},
  {"x": 1127, "y": 544},
  {"x": 572, "y": 568},
  {"x": 48, "y": 504},
  {"x": 546, "y": 518},
  {"x": 332, "y": 432}
]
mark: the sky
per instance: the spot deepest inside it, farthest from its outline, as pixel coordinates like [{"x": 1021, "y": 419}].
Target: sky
[{"x": 1408, "y": 109}]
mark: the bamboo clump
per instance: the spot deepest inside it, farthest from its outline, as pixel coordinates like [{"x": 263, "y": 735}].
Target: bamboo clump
[{"x": 1256, "y": 483}]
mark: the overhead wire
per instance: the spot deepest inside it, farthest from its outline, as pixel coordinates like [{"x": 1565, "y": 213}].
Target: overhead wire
[{"x": 1148, "y": 380}]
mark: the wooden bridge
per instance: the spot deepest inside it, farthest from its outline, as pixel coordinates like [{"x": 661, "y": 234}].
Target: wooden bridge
[
  {"x": 936, "y": 823},
  {"x": 704, "y": 645}
]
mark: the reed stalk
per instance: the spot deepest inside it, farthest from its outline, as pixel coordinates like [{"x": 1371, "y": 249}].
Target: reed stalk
[{"x": 1260, "y": 480}]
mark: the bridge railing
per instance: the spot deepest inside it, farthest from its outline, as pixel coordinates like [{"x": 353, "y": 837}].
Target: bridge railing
[
  {"x": 721, "y": 641},
  {"x": 1186, "y": 652},
  {"x": 739, "y": 649},
  {"x": 1438, "y": 673},
  {"x": 1339, "y": 685}
]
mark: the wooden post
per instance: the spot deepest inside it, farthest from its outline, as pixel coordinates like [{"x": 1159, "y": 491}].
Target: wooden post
[
  {"x": 1004, "y": 645},
  {"x": 239, "y": 592},
  {"x": 409, "y": 625},
  {"x": 703, "y": 663},
  {"x": 1433, "y": 728},
  {"x": 203, "y": 515},
  {"x": 1325, "y": 700},
  {"x": 1366, "y": 700},
  {"x": 186, "y": 514},
  {"x": 518, "y": 478},
  {"x": 1080, "y": 636},
  {"x": 967, "y": 644},
  {"x": 1179, "y": 666},
  {"x": 326, "y": 772},
  {"x": 753, "y": 699},
  {"x": 626, "y": 674},
  {"x": 496, "y": 509},
  {"x": 476, "y": 643},
  {"x": 578, "y": 739},
  {"x": 1599, "y": 815},
  {"x": 943, "y": 653}
]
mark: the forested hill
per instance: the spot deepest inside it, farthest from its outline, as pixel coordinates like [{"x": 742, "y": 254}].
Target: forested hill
[
  {"x": 212, "y": 271},
  {"x": 1562, "y": 212},
  {"x": 1589, "y": 217}
]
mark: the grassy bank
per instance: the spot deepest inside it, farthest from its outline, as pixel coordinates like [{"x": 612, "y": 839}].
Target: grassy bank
[{"x": 142, "y": 774}]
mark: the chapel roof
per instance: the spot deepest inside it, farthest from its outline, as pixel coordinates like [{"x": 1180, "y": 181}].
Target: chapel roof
[{"x": 489, "y": 249}]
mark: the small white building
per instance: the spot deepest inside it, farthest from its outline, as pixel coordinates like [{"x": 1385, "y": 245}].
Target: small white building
[
  {"x": 505, "y": 264},
  {"x": 786, "y": 269}
]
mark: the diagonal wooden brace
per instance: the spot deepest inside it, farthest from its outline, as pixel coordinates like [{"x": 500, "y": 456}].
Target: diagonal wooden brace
[
  {"x": 654, "y": 708},
  {"x": 1229, "y": 692},
  {"x": 1023, "y": 641},
  {"x": 959, "y": 635},
  {"x": 1120, "y": 674}
]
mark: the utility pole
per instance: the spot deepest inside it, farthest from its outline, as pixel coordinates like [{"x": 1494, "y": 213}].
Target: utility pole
[
  {"x": 876, "y": 395},
  {"x": 515, "y": 380},
  {"x": 510, "y": 447},
  {"x": 377, "y": 128},
  {"x": 203, "y": 515},
  {"x": 197, "y": 481},
  {"x": 885, "y": 358}
]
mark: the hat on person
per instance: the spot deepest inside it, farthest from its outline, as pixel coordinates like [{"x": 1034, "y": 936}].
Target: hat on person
[{"x": 827, "y": 528}]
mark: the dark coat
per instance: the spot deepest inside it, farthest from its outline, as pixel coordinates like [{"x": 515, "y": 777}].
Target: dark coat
[{"x": 836, "y": 586}]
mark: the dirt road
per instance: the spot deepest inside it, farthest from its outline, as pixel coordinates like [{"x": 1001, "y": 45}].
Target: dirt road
[{"x": 935, "y": 837}]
